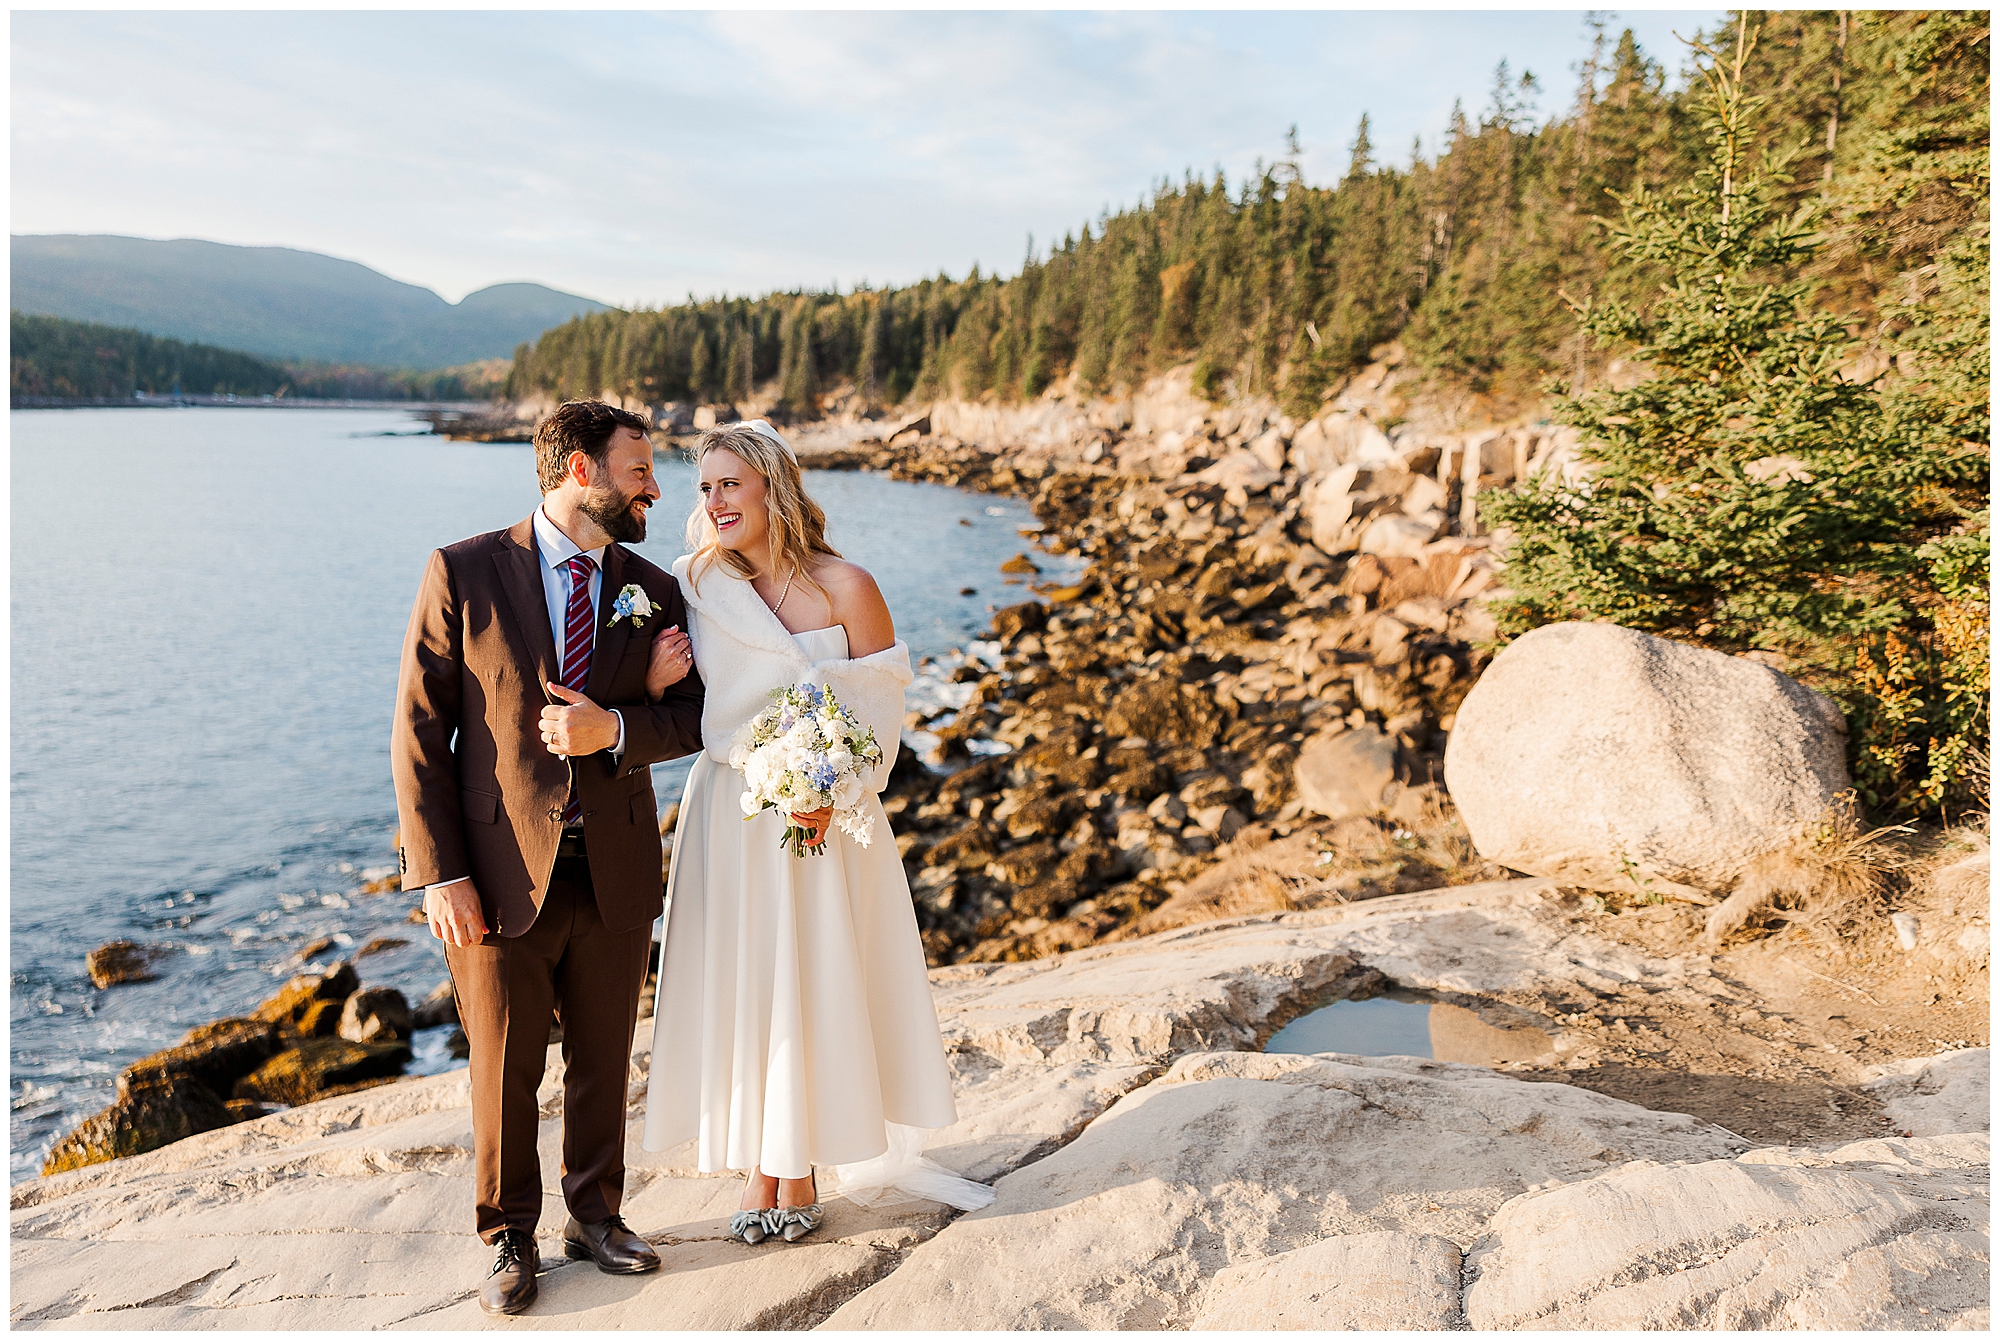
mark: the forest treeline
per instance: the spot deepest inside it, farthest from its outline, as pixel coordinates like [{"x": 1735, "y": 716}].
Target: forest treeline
[
  {"x": 1280, "y": 286},
  {"x": 79, "y": 360}
]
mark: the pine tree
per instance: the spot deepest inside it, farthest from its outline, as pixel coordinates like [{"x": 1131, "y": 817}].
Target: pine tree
[
  {"x": 701, "y": 367},
  {"x": 1748, "y": 495},
  {"x": 874, "y": 355},
  {"x": 1361, "y": 154},
  {"x": 798, "y": 370}
]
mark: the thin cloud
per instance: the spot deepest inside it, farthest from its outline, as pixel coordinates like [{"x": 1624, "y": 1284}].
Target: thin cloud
[{"x": 641, "y": 157}]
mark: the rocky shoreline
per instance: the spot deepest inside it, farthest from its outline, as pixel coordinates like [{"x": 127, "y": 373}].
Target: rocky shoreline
[
  {"x": 322, "y": 1035},
  {"x": 1214, "y": 687}
]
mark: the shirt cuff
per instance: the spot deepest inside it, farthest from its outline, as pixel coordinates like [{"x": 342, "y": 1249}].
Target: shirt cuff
[
  {"x": 442, "y": 883},
  {"x": 618, "y": 750}
]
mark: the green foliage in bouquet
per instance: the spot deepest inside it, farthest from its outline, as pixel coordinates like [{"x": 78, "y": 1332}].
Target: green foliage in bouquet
[{"x": 1750, "y": 495}]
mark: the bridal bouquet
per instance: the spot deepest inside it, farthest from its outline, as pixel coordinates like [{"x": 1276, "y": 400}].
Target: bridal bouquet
[{"x": 804, "y": 752}]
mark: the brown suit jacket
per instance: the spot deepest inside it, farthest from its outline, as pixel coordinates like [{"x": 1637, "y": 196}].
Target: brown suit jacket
[{"x": 477, "y": 792}]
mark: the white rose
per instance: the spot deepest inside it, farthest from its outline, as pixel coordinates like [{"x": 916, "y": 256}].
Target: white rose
[
  {"x": 841, "y": 759},
  {"x": 847, "y": 792},
  {"x": 751, "y": 805}
]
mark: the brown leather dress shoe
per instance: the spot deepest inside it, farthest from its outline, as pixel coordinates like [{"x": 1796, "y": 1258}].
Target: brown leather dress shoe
[
  {"x": 510, "y": 1287},
  {"x": 611, "y": 1244}
]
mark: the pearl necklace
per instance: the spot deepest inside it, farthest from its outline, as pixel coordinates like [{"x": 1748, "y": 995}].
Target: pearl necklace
[{"x": 786, "y": 592}]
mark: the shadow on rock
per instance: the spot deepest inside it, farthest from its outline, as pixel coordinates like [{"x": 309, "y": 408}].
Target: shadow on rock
[{"x": 1765, "y": 1111}]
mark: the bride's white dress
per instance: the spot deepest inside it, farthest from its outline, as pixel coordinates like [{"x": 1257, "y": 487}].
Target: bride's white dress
[{"x": 793, "y": 1024}]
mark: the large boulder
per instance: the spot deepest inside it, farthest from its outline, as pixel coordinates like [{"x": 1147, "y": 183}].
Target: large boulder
[
  {"x": 1399, "y": 535},
  {"x": 217, "y": 1054},
  {"x": 1610, "y": 759},
  {"x": 1336, "y": 438},
  {"x": 120, "y": 961},
  {"x": 321, "y": 1065},
  {"x": 441, "y": 1006},
  {"x": 154, "y": 1108},
  {"x": 297, "y": 998},
  {"x": 375, "y": 1015},
  {"x": 1240, "y": 474},
  {"x": 1327, "y": 504}
]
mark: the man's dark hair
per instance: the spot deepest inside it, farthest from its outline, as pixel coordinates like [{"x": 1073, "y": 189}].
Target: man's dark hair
[{"x": 583, "y": 426}]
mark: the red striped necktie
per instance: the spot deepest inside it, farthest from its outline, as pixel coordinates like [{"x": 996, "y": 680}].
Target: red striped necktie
[{"x": 579, "y": 631}]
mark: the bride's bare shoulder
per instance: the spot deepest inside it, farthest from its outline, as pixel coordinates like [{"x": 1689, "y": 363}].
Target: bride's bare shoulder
[
  {"x": 857, "y": 606},
  {"x": 844, "y": 580}
]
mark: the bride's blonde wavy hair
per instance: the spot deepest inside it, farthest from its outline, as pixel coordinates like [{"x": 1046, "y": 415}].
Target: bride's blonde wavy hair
[{"x": 797, "y": 525}]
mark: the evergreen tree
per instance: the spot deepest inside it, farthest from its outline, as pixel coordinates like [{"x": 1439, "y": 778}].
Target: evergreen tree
[
  {"x": 701, "y": 367},
  {"x": 1748, "y": 495},
  {"x": 874, "y": 351},
  {"x": 798, "y": 369},
  {"x": 1361, "y": 154}
]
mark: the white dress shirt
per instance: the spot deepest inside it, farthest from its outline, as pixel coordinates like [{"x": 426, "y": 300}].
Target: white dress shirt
[{"x": 557, "y": 550}]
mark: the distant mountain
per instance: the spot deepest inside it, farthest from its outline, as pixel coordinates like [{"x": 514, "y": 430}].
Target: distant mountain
[
  {"x": 276, "y": 302},
  {"x": 54, "y": 358}
]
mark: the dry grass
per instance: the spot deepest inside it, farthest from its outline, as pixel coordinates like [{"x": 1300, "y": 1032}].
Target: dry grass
[
  {"x": 1829, "y": 882},
  {"x": 1839, "y": 880},
  {"x": 1839, "y": 883},
  {"x": 1333, "y": 863},
  {"x": 1362, "y": 859},
  {"x": 1952, "y": 879},
  {"x": 1258, "y": 882}
]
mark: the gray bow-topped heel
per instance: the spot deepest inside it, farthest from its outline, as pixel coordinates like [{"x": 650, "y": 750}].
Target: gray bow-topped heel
[
  {"x": 795, "y": 1222},
  {"x": 750, "y": 1226}
]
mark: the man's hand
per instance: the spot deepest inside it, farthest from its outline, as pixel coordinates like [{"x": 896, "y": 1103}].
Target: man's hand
[
  {"x": 454, "y": 913},
  {"x": 581, "y": 727}
]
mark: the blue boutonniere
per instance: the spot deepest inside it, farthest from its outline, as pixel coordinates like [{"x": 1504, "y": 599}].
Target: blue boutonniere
[{"x": 632, "y": 604}]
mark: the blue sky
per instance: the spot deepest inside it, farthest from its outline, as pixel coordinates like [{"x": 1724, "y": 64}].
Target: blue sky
[{"x": 639, "y": 157}]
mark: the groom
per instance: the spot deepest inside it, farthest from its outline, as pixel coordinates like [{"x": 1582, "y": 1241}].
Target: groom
[{"x": 528, "y": 820}]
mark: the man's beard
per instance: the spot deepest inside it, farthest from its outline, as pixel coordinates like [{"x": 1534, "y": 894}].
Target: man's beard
[{"x": 614, "y": 514}]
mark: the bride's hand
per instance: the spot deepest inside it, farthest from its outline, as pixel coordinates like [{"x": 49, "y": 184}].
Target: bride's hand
[
  {"x": 816, "y": 823},
  {"x": 672, "y": 658}
]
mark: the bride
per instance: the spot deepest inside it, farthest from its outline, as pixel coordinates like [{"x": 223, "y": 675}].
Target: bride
[{"x": 794, "y": 1024}]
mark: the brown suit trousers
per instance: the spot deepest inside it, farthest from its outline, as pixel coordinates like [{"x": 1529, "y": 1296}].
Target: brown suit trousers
[
  {"x": 478, "y": 794},
  {"x": 567, "y": 964}
]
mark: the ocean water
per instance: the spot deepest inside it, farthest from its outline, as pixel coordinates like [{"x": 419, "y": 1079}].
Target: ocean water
[{"x": 207, "y": 610}]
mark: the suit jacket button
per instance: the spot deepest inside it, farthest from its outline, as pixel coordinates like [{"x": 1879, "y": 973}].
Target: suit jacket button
[{"x": 555, "y": 812}]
